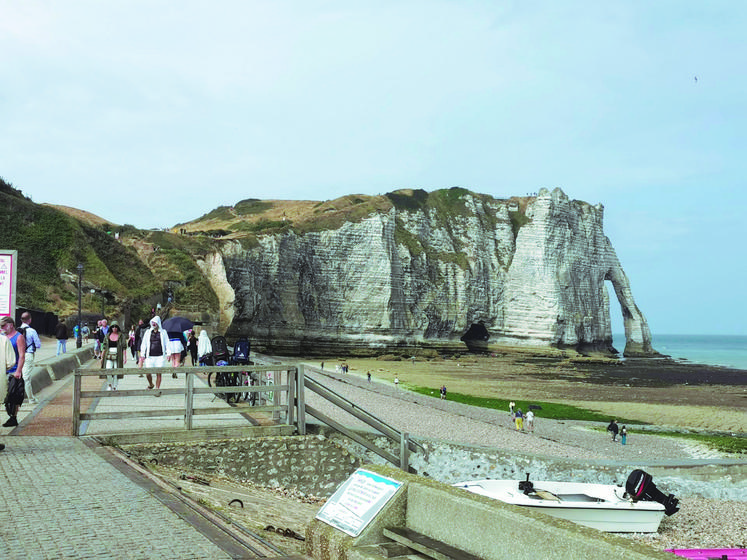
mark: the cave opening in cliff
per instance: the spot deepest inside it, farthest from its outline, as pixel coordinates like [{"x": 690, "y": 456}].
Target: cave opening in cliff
[{"x": 616, "y": 316}]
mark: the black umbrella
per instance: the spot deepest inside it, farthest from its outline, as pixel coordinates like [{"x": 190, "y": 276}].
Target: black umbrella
[{"x": 177, "y": 324}]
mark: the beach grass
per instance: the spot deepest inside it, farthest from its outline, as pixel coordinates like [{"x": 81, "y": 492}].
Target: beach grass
[{"x": 554, "y": 411}]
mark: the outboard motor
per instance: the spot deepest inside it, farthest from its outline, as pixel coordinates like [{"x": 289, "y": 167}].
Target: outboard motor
[
  {"x": 640, "y": 486},
  {"x": 526, "y": 486}
]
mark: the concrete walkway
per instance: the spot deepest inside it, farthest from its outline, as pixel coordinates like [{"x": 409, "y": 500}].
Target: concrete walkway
[{"x": 66, "y": 497}]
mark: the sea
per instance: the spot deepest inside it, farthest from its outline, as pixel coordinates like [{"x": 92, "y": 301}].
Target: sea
[{"x": 710, "y": 349}]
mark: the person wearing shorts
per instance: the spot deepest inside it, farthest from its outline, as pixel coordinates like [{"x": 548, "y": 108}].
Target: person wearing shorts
[{"x": 153, "y": 349}]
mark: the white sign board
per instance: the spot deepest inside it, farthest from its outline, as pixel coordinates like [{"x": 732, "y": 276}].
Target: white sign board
[
  {"x": 8, "y": 266},
  {"x": 358, "y": 501}
]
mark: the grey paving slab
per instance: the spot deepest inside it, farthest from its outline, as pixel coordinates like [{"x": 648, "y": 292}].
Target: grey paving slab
[{"x": 59, "y": 499}]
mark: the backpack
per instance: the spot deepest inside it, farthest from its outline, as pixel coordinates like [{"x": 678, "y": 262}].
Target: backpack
[{"x": 220, "y": 348}]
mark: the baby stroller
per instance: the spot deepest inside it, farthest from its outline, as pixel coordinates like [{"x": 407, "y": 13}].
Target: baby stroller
[
  {"x": 220, "y": 350},
  {"x": 241, "y": 352}
]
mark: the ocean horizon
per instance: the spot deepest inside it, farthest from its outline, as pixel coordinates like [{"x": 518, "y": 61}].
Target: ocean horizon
[{"x": 709, "y": 349}]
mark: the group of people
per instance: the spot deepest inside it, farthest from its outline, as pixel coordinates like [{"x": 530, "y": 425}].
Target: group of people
[
  {"x": 151, "y": 346},
  {"x": 614, "y": 430},
  {"x": 18, "y": 347},
  {"x": 518, "y": 418}
]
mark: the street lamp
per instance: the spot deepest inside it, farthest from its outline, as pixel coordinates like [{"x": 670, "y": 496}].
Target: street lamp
[{"x": 78, "y": 339}]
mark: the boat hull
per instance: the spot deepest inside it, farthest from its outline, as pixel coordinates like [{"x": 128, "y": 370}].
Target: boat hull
[{"x": 599, "y": 506}]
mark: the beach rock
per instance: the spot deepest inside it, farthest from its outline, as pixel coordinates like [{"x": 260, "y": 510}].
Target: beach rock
[{"x": 528, "y": 271}]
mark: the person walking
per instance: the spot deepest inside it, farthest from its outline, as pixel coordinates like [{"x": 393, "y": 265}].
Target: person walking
[
  {"x": 114, "y": 354},
  {"x": 7, "y": 360},
  {"x": 18, "y": 343},
  {"x": 192, "y": 347},
  {"x": 33, "y": 343},
  {"x": 139, "y": 330},
  {"x": 204, "y": 349},
  {"x": 131, "y": 341},
  {"x": 530, "y": 421},
  {"x": 613, "y": 429},
  {"x": 443, "y": 392},
  {"x": 519, "y": 420},
  {"x": 153, "y": 351},
  {"x": 623, "y": 435},
  {"x": 61, "y": 334}
]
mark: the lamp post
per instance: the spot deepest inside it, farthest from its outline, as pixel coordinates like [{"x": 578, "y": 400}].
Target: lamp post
[{"x": 78, "y": 339}]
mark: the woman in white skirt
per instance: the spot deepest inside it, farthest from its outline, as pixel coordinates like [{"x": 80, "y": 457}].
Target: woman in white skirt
[
  {"x": 175, "y": 349},
  {"x": 113, "y": 353}
]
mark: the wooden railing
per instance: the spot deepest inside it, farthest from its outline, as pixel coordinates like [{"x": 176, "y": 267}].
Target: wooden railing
[{"x": 269, "y": 394}]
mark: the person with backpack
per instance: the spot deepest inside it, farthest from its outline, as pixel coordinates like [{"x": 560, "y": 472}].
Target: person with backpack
[
  {"x": 33, "y": 343},
  {"x": 18, "y": 342}
]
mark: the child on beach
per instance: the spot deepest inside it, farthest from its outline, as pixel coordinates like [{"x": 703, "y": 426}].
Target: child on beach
[{"x": 623, "y": 435}]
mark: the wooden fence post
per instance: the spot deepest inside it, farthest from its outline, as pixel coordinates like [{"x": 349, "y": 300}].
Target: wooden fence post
[
  {"x": 76, "y": 403},
  {"x": 301, "y": 390},
  {"x": 189, "y": 400}
]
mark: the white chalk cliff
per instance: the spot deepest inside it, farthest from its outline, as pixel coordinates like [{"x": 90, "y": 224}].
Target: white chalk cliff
[{"x": 531, "y": 271}]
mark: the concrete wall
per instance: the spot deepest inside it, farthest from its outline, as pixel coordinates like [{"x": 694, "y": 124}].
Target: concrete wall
[
  {"x": 55, "y": 368},
  {"x": 476, "y": 524},
  {"x": 310, "y": 464}
]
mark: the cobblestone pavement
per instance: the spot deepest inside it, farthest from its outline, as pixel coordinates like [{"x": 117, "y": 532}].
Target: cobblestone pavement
[
  {"x": 60, "y": 499},
  {"x": 63, "y": 498}
]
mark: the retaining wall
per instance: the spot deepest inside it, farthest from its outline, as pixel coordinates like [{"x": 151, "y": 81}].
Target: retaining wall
[
  {"x": 47, "y": 370},
  {"x": 308, "y": 464}
]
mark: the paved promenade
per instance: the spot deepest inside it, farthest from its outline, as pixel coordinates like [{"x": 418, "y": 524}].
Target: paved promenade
[{"x": 66, "y": 497}]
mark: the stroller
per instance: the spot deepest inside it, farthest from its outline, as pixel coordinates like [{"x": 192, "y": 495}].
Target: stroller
[
  {"x": 220, "y": 350},
  {"x": 241, "y": 352}
]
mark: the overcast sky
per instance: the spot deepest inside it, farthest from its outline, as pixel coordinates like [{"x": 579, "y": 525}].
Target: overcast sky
[{"x": 154, "y": 112}]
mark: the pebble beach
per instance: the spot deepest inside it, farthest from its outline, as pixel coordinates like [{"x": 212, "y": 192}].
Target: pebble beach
[{"x": 467, "y": 442}]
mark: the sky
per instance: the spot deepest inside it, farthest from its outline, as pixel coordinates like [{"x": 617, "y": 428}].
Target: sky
[{"x": 152, "y": 113}]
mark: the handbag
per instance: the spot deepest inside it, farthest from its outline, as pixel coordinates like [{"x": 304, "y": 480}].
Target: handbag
[{"x": 16, "y": 394}]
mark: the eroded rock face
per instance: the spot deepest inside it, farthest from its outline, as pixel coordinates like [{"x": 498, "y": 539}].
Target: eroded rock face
[{"x": 422, "y": 278}]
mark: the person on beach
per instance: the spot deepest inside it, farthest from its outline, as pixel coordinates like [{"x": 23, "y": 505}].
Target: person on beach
[
  {"x": 7, "y": 360},
  {"x": 113, "y": 354},
  {"x": 18, "y": 343},
  {"x": 368, "y": 375},
  {"x": 613, "y": 429},
  {"x": 396, "y": 382},
  {"x": 623, "y": 435},
  {"x": 33, "y": 343},
  {"x": 519, "y": 420},
  {"x": 153, "y": 351},
  {"x": 530, "y": 421},
  {"x": 443, "y": 392}
]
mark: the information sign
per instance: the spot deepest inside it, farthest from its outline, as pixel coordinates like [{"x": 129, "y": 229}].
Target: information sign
[
  {"x": 8, "y": 265},
  {"x": 357, "y": 501}
]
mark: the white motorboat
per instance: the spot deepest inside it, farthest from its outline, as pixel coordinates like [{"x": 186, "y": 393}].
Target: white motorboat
[{"x": 637, "y": 508}]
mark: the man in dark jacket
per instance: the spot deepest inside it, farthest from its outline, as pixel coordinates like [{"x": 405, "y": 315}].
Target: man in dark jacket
[{"x": 60, "y": 332}]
